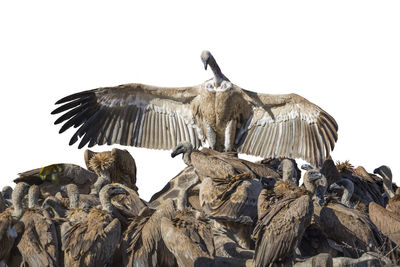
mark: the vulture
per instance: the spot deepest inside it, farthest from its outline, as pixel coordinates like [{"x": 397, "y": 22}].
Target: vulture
[
  {"x": 189, "y": 237},
  {"x": 386, "y": 221},
  {"x": 93, "y": 241},
  {"x": 116, "y": 165},
  {"x": 394, "y": 197},
  {"x": 9, "y": 222},
  {"x": 284, "y": 213},
  {"x": 350, "y": 228},
  {"x": 50, "y": 178},
  {"x": 39, "y": 241},
  {"x": 347, "y": 187},
  {"x": 215, "y": 113},
  {"x": 6, "y": 192},
  {"x": 142, "y": 241},
  {"x": 224, "y": 164},
  {"x": 232, "y": 202}
]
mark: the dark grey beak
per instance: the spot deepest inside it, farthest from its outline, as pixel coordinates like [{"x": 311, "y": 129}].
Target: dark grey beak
[
  {"x": 119, "y": 191},
  {"x": 376, "y": 171},
  {"x": 312, "y": 176},
  {"x": 205, "y": 64},
  {"x": 334, "y": 186},
  {"x": 306, "y": 167},
  {"x": 178, "y": 150}
]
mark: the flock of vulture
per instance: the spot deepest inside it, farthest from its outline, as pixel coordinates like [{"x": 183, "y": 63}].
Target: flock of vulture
[{"x": 220, "y": 210}]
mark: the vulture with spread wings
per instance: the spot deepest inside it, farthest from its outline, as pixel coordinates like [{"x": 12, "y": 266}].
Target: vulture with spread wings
[{"x": 216, "y": 113}]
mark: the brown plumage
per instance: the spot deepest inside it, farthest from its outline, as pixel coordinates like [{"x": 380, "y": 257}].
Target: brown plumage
[
  {"x": 189, "y": 237},
  {"x": 9, "y": 220},
  {"x": 394, "y": 198},
  {"x": 118, "y": 164},
  {"x": 225, "y": 164},
  {"x": 216, "y": 113},
  {"x": 284, "y": 213},
  {"x": 142, "y": 241},
  {"x": 386, "y": 221},
  {"x": 366, "y": 189},
  {"x": 93, "y": 241},
  {"x": 39, "y": 242},
  {"x": 232, "y": 201},
  {"x": 350, "y": 228},
  {"x": 50, "y": 178},
  {"x": 2, "y": 204}
]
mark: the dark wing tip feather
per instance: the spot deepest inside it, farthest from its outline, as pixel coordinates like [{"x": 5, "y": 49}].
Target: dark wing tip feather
[{"x": 75, "y": 96}]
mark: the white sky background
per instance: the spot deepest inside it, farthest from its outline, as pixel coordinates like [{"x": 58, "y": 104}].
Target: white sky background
[{"x": 342, "y": 55}]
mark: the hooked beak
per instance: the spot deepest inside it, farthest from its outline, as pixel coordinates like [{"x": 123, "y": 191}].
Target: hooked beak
[
  {"x": 376, "y": 171},
  {"x": 120, "y": 191},
  {"x": 205, "y": 64},
  {"x": 306, "y": 167},
  {"x": 177, "y": 151},
  {"x": 312, "y": 176},
  {"x": 334, "y": 186}
]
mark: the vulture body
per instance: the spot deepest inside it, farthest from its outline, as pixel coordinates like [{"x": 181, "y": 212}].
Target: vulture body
[
  {"x": 93, "y": 241},
  {"x": 39, "y": 242},
  {"x": 216, "y": 113},
  {"x": 50, "y": 178},
  {"x": 348, "y": 227},
  {"x": 189, "y": 238},
  {"x": 142, "y": 241},
  {"x": 119, "y": 165},
  {"x": 225, "y": 164},
  {"x": 284, "y": 213},
  {"x": 9, "y": 220},
  {"x": 386, "y": 221}
]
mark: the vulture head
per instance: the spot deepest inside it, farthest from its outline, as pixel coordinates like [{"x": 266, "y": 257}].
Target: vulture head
[
  {"x": 220, "y": 80},
  {"x": 384, "y": 171},
  {"x": 315, "y": 182},
  {"x": 268, "y": 183},
  {"x": 348, "y": 188},
  {"x": 7, "y": 192},
  {"x": 386, "y": 174},
  {"x": 107, "y": 192},
  {"x": 20, "y": 190},
  {"x": 184, "y": 148}
]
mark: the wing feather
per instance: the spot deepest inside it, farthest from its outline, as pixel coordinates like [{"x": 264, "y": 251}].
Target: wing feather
[
  {"x": 131, "y": 114},
  {"x": 288, "y": 126}
]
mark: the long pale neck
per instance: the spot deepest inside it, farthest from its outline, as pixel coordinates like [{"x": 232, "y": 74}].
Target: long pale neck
[
  {"x": 103, "y": 179},
  {"x": 73, "y": 195},
  {"x": 17, "y": 196},
  {"x": 105, "y": 200},
  {"x": 218, "y": 76},
  {"x": 345, "y": 200},
  {"x": 310, "y": 186},
  {"x": 387, "y": 185},
  {"x": 33, "y": 197},
  {"x": 187, "y": 158}
]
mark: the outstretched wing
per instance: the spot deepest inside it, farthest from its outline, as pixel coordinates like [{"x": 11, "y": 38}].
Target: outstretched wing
[
  {"x": 287, "y": 126},
  {"x": 131, "y": 114}
]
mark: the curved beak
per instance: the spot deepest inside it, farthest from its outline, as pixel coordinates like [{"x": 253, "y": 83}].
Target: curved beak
[
  {"x": 178, "y": 150},
  {"x": 120, "y": 191},
  {"x": 334, "y": 186},
  {"x": 312, "y": 176},
  {"x": 376, "y": 171},
  {"x": 205, "y": 64},
  {"x": 306, "y": 167}
]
